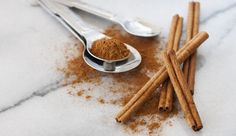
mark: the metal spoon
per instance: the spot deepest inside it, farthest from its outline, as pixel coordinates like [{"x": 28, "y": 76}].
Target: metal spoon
[
  {"x": 87, "y": 36},
  {"x": 134, "y": 27}
]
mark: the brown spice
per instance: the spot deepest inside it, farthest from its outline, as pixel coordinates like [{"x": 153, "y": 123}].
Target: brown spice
[
  {"x": 135, "y": 124},
  {"x": 124, "y": 85},
  {"x": 109, "y": 49},
  {"x": 153, "y": 126},
  {"x": 88, "y": 97},
  {"x": 82, "y": 72},
  {"x": 80, "y": 93},
  {"x": 101, "y": 100}
]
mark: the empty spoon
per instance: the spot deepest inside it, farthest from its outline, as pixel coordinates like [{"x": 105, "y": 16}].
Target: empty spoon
[
  {"x": 134, "y": 27},
  {"x": 87, "y": 36}
]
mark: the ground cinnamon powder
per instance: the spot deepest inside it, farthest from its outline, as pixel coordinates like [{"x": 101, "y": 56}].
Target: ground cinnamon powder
[
  {"x": 109, "y": 49},
  {"x": 123, "y": 86}
]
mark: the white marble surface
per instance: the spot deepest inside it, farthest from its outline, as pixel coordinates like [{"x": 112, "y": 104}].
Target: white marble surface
[{"x": 33, "y": 102}]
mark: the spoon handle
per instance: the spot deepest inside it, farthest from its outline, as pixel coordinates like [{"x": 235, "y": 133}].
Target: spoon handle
[
  {"x": 69, "y": 19},
  {"x": 89, "y": 8}
]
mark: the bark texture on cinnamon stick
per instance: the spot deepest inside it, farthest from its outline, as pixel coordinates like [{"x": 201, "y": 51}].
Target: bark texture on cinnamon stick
[
  {"x": 192, "y": 29},
  {"x": 170, "y": 89},
  {"x": 146, "y": 91},
  {"x": 178, "y": 91},
  {"x": 193, "y": 57},
  {"x": 188, "y": 35},
  {"x": 182, "y": 90},
  {"x": 170, "y": 43},
  {"x": 166, "y": 92},
  {"x": 162, "y": 98}
]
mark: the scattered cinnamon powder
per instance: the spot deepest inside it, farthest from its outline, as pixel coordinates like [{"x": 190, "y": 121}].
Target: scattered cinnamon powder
[
  {"x": 133, "y": 125},
  {"x": 88, "y": 97},
  {"x": 109, "y": 49},
  {"x": 121, "y": 87},
  {"x": 101, "y": 100},
  {"x": 80, "y": 93},
  {"x": 152, "y": 127}
]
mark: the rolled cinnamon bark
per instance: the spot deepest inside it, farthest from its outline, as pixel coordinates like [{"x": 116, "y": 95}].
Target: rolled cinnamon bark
[
  {"x": 185, "y": 90},
  {"x": 171, "y": 36},
  {"x": 190, "y": 21},
  {"x": 178, "y": 34},
  {"x": 170, "y": 89},
  {"x": 193, "y": 58},
  {"x": 162, "y": 98},
  {"x": 170, "y": 44},
  {"x": 189, "y": 35},
  {"x": 169, "y": 96},
  {"x": 178, "y": 91},
  {"x": 196, "y": 18},
  {"x": 146, "y": 91}
]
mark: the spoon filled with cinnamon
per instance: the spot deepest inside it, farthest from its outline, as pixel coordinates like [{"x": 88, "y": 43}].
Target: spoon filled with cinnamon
[{"x": 101, "y": 52}]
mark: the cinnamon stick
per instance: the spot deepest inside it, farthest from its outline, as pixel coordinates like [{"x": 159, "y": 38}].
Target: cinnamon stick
[
  {"x": 185, "y": 90},
  {"x": 193, "y": 58},
  {"x": 145, "y": 92},
  {"x": 196, "y": 18},
  {"x": 162, "y": 98},
  {"x": 178, "y": 33},
  {"x": 189, "y": 35},
  {"x": 170, "y": 44},
  {"x": 170, "y": 89},
  {"x": 169, "y": 96},
  {"x": 190, "y": 21},
  {"x": 178, "y": 91},
  {"x": 171, "y": 36}
]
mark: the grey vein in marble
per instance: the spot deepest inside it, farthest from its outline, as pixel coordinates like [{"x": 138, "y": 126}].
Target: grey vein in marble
[
  {"x": 214, "y": 14},
  {"x": 40, "y": 92}
]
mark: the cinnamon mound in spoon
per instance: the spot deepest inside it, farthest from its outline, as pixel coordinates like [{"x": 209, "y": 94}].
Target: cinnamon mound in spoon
[{"x": 109, "y": 49}]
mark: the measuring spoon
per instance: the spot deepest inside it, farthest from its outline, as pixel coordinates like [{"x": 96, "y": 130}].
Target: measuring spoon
[
  {"x": 87, "y": 36},
  {"x": 134, "y": 27}
]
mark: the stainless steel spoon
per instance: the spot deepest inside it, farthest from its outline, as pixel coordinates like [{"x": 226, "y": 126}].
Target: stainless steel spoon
[
  {"x": 134, "y": 27},
  {"x": 87, "y": 36}
]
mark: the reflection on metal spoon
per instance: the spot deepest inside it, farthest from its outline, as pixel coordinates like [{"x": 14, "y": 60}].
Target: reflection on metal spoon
[
  {"x": 87, "y": 36},
  {"x": 134, "y": 27}
]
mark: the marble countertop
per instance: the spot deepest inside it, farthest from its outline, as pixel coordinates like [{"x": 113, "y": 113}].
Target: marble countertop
[{"x": 32, "y": 100}]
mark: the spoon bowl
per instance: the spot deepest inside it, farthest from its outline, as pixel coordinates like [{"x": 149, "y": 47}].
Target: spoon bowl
[
  {"x": 110, "y": 66},
  {"x": 134, "y": 27},
  {"x": 114, "y": 67},
  {"x": 87, "y": 36},
  {"x": 89, "y": 46},
  {"x": 139, "y": 28}
]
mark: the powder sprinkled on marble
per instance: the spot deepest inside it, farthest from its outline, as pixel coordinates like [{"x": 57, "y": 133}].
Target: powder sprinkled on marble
[
  {"x": 101, "y": 100},
  {"x": 123, "y": 86},
  {"x": 88, "y": 97},
  {"x": 80, "y": 93}
]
